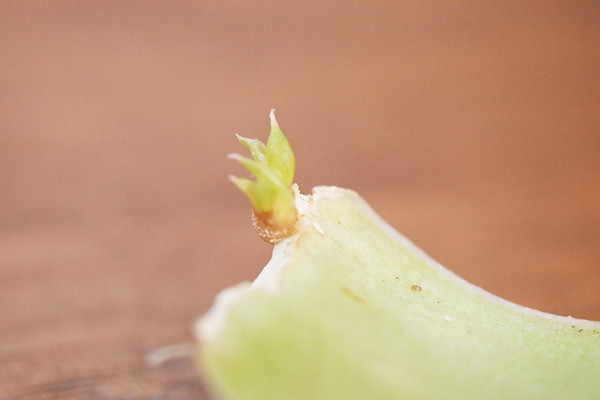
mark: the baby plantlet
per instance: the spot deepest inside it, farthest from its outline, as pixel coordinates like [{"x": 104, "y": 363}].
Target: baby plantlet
[
  {"x": 348, "y": 308},
  {"x": 271, "y": 195}
]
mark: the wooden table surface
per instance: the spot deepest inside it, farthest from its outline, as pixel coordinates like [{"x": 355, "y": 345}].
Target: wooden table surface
[{"x": 472, "y": 127}]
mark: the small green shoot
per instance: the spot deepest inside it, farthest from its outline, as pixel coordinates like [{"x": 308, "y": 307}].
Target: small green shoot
[{"x": 273, "y": 166}]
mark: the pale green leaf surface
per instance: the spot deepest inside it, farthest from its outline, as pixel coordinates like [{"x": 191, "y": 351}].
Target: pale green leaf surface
[{"x": 345, "y": 322}]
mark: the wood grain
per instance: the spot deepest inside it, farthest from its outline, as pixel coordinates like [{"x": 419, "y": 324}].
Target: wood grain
[{"x": 473, "y": 128}]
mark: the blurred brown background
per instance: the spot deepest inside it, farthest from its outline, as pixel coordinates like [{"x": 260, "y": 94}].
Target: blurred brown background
[{"x": 472, "y": 127}]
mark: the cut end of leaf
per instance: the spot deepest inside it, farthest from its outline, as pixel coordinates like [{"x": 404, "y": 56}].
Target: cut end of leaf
[{"x": 273, "y": 166}]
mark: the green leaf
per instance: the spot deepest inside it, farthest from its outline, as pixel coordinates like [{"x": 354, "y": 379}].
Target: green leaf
[
  {"x": 279, "y": 153},
  {"x": 349, "y": 309}
]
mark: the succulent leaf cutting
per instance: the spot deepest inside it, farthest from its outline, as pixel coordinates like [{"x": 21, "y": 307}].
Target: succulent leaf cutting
[{"x": 348, "y": 308}]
